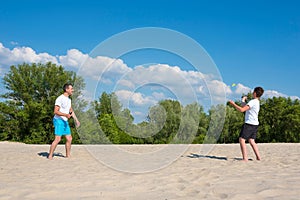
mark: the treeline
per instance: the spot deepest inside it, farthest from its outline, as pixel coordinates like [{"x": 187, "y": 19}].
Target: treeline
[{"x": 27, "y": 112}]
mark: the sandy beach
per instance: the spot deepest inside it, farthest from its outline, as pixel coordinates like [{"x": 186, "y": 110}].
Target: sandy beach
[{"x": 26, "y": 173}]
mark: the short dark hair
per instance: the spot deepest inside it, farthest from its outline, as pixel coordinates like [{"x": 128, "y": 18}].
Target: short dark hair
[
  {"x": 259, "y": 91},
  {"x": 66, "y": 86}
]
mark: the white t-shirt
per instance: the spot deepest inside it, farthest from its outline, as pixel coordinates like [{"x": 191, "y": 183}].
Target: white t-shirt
[
  {"x": 64, "y": 104},
  {"x": 251, "y": 116}
]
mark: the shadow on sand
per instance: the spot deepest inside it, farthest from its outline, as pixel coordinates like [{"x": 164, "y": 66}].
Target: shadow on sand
[
  {"x": 240, "y": 159},
  {"x": 193, "y": 155},
  {"x": 45, "y": 154}
]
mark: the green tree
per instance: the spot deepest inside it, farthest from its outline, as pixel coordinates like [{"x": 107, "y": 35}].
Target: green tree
[
  {"x": 27, "y": 112},
  {"x": 114, "y": 122},
  {"x": 188, "y": 128},
  {"x": 232, "y": 126},
  {"x": 172, "y": 122},
  {"x": 108, "y": 104},
  {"x": 279, "y": 120},
  {"x": 202, "y": 127},
  {"x": 217, "y": 114}
]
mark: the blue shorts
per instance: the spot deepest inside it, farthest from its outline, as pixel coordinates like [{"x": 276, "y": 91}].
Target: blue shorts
[{"x": 61, "y": 127}]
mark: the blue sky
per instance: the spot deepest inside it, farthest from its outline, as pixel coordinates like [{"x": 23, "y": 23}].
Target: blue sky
[{"x": 251, "y": 42}]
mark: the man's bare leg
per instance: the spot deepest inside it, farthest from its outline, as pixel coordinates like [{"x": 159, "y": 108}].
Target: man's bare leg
[
  {"x": 53, "y": 146},
  {"x": 68, "y": 145},
  {"x": 255, "y": 148},
  {"x": 243, "y": 149}
]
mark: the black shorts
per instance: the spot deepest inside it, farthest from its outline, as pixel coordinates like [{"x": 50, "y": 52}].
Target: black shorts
[{"x": 248, "y": 131}]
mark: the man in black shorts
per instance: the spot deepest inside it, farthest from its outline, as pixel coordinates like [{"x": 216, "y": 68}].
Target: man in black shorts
[
  {"x": 250, "y": 126},
  {"x": 248, "y": 131}
]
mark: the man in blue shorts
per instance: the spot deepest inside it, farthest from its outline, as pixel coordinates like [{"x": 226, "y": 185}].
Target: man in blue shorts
[
  {"x": 250, "y": 126},
  {"x": 62, "y": 112}
]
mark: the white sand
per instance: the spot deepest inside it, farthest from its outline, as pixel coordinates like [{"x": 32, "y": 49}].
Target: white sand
[{"x": 26, "y": 173}]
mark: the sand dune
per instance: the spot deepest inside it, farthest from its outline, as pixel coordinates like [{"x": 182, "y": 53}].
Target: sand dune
[{"x": 26, "y": 173}]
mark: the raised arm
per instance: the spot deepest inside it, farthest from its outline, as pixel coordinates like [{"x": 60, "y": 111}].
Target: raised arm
[{"x": 242, "y": 108}]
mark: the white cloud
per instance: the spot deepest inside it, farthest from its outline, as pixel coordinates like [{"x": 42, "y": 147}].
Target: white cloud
[
  {"x": 74, "y": 58},
  {"x": 114, "y": 73},
  {"x": 99, "y": 68},
  {"x": 158, "y": 95},
  {"x": 235, "y": 92},
  {"x": 87, "y": 67},
  {"x": 295, "y": 97},
  {"x": 163, "y": 76},
  {"x": 273, "y": 93},
  {"x": 241, "y": 89},
  {"x": 127, "y": 97},
  {"x": 126, "y": 83},
  {"x": 217, "y": 87},
  {"x": 19, "y": 55}
]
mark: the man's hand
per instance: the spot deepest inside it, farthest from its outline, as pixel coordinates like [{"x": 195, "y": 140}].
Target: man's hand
[
  {"x": 244, "y": 98},
  {"x": 231, "y": 102},
  {"x": 77, "y": 123}
]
